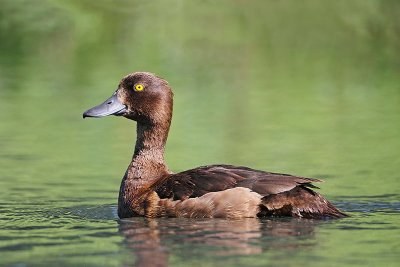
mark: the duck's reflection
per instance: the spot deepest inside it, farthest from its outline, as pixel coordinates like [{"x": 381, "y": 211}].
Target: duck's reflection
[{"x": 152, "y": 240}]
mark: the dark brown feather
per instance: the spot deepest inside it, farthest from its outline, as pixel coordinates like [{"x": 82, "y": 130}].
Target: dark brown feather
[
  {"x": 283, "y": 194},
  {"x": 199, "y": 181},
  {"x": 299, "y": 202}
]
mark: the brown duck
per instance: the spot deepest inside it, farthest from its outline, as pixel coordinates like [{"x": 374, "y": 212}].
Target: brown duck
[{"x": 149, "y": 189}]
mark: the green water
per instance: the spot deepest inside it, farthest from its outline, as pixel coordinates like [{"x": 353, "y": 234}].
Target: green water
[{"x": 303, "y": 87}]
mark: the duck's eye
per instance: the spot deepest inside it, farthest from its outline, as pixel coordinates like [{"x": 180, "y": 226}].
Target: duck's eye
[{"x": 139, "y": 87}]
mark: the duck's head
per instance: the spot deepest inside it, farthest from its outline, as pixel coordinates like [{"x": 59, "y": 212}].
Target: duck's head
[{"x": 140, "y": 96}]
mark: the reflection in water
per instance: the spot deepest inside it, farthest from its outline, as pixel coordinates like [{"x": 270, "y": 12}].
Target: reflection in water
[
  {"x": 149, "y": 239},
  {"x": 143, "y": 237}
]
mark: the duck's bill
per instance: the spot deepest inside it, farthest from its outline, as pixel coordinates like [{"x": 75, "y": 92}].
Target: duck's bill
[{"x": 111, "y": 106}]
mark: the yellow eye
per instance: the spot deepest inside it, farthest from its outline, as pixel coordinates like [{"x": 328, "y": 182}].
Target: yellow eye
[{"x": 139, "y": 87}]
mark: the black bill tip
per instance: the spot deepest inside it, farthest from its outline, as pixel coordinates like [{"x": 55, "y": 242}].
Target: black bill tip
[{"x": 86, "y": 114}]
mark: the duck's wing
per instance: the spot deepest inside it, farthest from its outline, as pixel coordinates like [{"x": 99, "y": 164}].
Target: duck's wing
[
  {"x": 199, "y": 181},
  {"x": 278, "y": 194}
]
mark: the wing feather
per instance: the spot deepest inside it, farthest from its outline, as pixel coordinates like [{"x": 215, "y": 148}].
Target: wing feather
[{"x": 213, "y": 178}]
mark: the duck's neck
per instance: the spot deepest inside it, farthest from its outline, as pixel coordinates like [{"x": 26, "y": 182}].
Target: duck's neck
[
  {"x": 150, "y": 137},
  {"x": 146, "y": 168},
  {"x": 149, "y": 149},
  {"x": 148, "y": 159}
]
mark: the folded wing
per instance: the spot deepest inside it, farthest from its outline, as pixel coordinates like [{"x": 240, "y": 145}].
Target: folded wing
[
  {"x": 282, "y": 194},
  {"x": 199, "y": 181}
]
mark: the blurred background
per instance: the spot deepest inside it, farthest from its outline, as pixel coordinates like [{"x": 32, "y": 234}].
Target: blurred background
[{"x": 304, "y": 87}]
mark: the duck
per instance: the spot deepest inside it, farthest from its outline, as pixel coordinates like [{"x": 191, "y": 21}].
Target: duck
[{"x": 150, "y": 189}]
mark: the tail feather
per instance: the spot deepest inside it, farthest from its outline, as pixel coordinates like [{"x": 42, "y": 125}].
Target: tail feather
[{"x": 299, "y": 202}]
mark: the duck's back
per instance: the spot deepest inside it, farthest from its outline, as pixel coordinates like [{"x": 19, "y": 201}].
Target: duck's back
[{"x": 270, "y": 194}]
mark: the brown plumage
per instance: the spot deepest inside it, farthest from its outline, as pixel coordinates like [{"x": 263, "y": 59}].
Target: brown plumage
[{"x": 216, "y": 191}]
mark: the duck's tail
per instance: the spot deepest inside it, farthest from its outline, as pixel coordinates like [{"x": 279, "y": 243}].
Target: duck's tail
[{"x": 301, "y": 202}]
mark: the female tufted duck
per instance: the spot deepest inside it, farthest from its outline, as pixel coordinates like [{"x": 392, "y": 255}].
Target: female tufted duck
[{"x": 149, "y": 189}]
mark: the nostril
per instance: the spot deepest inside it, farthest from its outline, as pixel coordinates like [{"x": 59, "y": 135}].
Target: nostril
[{"x": 110, "y": 102}]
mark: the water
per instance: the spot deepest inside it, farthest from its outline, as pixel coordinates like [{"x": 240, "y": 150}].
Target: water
[{"x": 310, "y": 89}]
